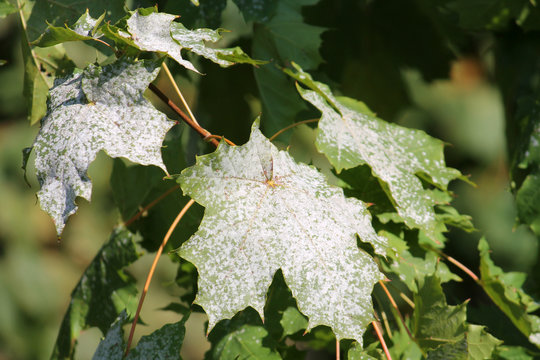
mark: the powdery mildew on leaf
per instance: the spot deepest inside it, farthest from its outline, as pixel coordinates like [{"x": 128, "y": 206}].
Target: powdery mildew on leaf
[
  {"x": 265, "y": 212},
  {"x": 158, "y": 32},
  {"x": 99, "y": 109},
  {"x": 350, "y": 136}
]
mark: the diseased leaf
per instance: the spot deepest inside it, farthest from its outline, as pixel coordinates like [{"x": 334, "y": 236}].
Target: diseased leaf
[
  {"x": 99, "y": 109},
  {"x": 163, "y": 344},
  {"x": 506, "y": 292},
  {"x": 350, "y": 136},
  {"x": 84, "y": 29},
  {"x": 264, "y": 212},
  {"x": 111, "y": 347},
  {"x": 157, "y": 32},
  {"x": 102, "y": 293},
  {"x": 436, "y": 323}
]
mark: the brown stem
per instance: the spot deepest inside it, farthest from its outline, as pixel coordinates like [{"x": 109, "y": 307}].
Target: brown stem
[
  {"x": 338, "y": 350},
  {"x": 220, "y": 137},
  {"x": 291, "y": 126},
  {"x": 152, "y": 269},
  {"x": 381, "y": 339},
  {"x": 150, "y": 205},
  {"x": 201, "y": 131},
  {"x": 394, "y": 305},
  {"x": 459, "y": 265}
]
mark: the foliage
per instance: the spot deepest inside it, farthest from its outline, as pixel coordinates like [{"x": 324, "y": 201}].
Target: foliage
[{"x": 297, "y": 242}]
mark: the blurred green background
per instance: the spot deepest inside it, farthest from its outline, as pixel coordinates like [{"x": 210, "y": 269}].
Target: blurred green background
[{"x": 399, "y": 67}]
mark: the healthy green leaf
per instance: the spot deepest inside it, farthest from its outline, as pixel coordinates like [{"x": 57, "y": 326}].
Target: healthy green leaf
[
  {"x": 6, "y": 8},
  {"x": 84, "y": 29},
  {"x": 260, "y": 11},
  {"x": 163, "y": 344},
  {"x": 350, "y": 135},
  {"x": 247, "y": 343},
  {"x": 102, "y": 293},
  {"x": 285, "y": 38},
  {"x": 436, "y": 323},
  {"x": 506, "y": 292},
  {"x": 99, "y": 109},
  {"x": 157, "y": 32},
  {"x": 264, "y": 212},
  {"x": 480, "y": 344}
]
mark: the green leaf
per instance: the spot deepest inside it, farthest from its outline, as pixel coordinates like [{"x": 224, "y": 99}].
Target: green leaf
[
  {"x": 99, "y": 109},
  {"x": 512, "y": 353},
  {"x": 264, "y": 212},
  {"x": 84, "y": 29},
  {"x": 356, "y": 352},
  {"x": 102, "y": 293},
  {"x": 436, "y": 323},
  {"x": 164, "y": 343},
  {"x": 488, "y": 14},
  {"x": 285, "y": 38},
  {"x": 260, "y": 11},
  {"x": 480, "y": 344},
  {"x": 111, "y": 347},
  {"x": 349, "y": 135},
  {"x": 6, "y": 8},
  {"x": 157, "y": 32},
  {"x": 453, "y": 350},
  {"x": 247, "y": 343},
  {"x": 506, "y": 292},
  {"x": 292, "y": 321},
  {"x": 61, "y": 12}
]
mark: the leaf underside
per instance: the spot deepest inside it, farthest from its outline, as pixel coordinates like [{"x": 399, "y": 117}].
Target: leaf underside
[
  {"x": 98, "y": 109},
  {"x": 265, "y": 212}
]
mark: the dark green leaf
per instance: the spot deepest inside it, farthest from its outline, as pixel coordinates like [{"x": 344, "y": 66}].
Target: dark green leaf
[
  {"x": 249, "y": 342},
  {"x": 260, "y": 11},
  {"x": 102, "y": 293},
  {"x": 163, "y": 344},
  {"x": 436, "y": 323},
  {"x": 111, "y": 347}
]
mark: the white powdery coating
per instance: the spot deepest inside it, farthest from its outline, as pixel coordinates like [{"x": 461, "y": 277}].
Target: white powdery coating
[
  {"x": 394, "y": 153},
  {"x": 118, "y": 120},
  {"x": 265, "y": 212},
  {"x": 85, "y": 25},
  {"x": 153, "y": 33}
]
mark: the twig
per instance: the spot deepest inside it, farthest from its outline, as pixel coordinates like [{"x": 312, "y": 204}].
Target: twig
[
  {"x": 201, "y": 131},
  {"x": 150, "y": 205},
  {"x": 220, "y": 137},
  {"x": 381, "y": 339},
  {"x": 152, "y": 269},
  {"x": 459, "y": 265},
  {"x": 338, "y": 350},
  {"x": 175, "y": 86},
  {"x": 394, "y": 305},
  {"x": 291, "y": 126},
  {"x": 407, "y": 300}
]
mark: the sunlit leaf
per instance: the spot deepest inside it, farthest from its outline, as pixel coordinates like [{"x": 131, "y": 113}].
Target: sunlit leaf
[
  {"x": 98, "y": 109},
  {"x": 265, "y": 212},
  {"x": 247, "y": 342},
  {"x": 480, "y": 344},
  {"x": 350, "y": 135}
]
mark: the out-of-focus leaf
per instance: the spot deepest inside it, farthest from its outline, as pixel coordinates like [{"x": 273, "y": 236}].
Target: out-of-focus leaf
[
  {"x": 247, "y": 342},
  {"x": 512, "y": 353},
  {"x": 206, "y": 14},
  {"x": 350, "y": 136},
  {"x": 102, "y": 293},
  {"x": 285, "y": 38},
  {"x": 84, "y": 29},
  {"x": 99, "y": 109},
  {"x": 164, "y": 343},
  {"x": 111, "y": 347},
  {"x": 436, "y": 323},
  {"x": 260, "y": 11},
  {"x": 6, "y": 8},
  {"x": 505, "y": 289},
  {"x": 273, "y": 213},
  {"x": 487, "y": 14}
]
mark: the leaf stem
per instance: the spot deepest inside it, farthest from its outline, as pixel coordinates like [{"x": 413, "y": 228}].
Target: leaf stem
[
  {"x": 291, "y": 126},
  {"x": 200, "y": 130},
  {"x": 220, "y": 137},
  {"x": 150, "y": 205},
  {"x": 338, "y": 350},
  {"x": 152, "y": 269},
  {"x": 381, "y": 339},
  {"x": 394, "y": 305},
  {"x": 177, "y": 89},
  {"x": 465, "y": 269}
]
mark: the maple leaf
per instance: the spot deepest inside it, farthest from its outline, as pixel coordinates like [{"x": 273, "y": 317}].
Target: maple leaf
[
  {"x": 265, "y": 212},
  {"x": 351, "y": 135},
  {"x": 98, "y": 109},
  {"x": 158, "y": 32}
]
